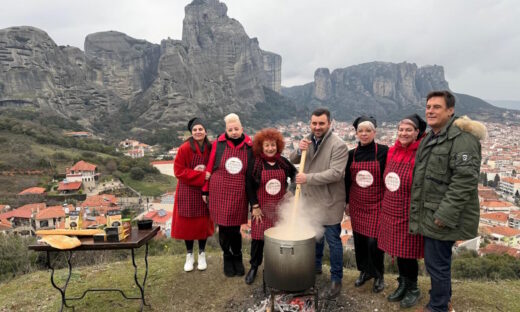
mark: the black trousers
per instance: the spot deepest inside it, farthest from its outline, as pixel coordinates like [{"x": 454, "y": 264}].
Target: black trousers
[
  {"x": 189, "y": 245},
  {"x": 257, "y": 252},
  {"x": 408, "y": 268},
  {"x": 230, "y": 240},
  {"x": 369, "y": 258}
]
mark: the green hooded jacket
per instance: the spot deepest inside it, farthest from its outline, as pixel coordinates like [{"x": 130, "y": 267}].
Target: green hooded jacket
[{"x": 445, "y": 182}]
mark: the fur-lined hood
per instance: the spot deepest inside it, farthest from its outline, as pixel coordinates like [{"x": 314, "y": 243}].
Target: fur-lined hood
[{"x": 476, "y": 128}]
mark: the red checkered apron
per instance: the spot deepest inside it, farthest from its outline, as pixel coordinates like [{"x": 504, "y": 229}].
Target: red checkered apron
[
  {"x": 227, "y": 191},
  {"x": 393, "y": 235},
  {"x": 366, "y": 195},
  {"x": 269, "y": 193},
  {"x": 189, "y": 198}
]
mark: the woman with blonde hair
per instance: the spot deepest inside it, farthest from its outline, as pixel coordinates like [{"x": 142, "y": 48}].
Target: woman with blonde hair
[
  {"x": 225, "y": 192},
  {"x": 365, "y": 189}
]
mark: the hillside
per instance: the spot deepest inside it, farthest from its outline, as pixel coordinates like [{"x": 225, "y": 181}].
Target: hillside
[
  {"x": 169, "y": 288},
  {"x": 36, "y": 151}
]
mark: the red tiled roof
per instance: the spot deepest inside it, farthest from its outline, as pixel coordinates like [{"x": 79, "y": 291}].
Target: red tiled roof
[
  {"x": 495, "y": 216},
  {"x": 51, "y": 212},
  {"x": 514, "y": 214},
  {"x": 504, "y": 231},
  {"x": 500, "y": 249},
  {"x": 83, "y": 166},
  {"x": 105, "y": 200},
  {"x": 70, "y": 186},
  {"x": 5, "y": 225},
  {"x": 495, "y": 203},
  {"x": 511, "y": 180},
  {"x": 346, "y": 225},
  {"x": 99, "y": 220},
  {"x": 24, "y": 212},
  {"x": 154, "y": 215},
  {"x": 33, "y": 191}
]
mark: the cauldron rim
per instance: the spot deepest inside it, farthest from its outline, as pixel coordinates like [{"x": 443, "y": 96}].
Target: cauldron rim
[{"x": 268, "y": 232}]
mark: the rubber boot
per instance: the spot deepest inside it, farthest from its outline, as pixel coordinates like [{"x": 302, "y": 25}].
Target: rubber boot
[
  {"x": 399, "y": 293},
  {"x": 250, "y": 277},
  {"x": 412, "y": 295}
]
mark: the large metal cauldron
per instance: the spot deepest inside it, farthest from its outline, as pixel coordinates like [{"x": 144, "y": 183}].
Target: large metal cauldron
[{"x": 289, "y": 264}]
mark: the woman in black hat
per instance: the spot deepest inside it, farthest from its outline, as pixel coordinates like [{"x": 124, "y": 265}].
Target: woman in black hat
[
  {"x": 394, "y": 237},
  {"x": 364, "y": 190},
  {"x": 191, "y": 220}
]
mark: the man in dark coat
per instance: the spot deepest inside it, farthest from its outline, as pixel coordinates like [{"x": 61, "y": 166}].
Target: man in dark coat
[{"x": 444, "y": 199}]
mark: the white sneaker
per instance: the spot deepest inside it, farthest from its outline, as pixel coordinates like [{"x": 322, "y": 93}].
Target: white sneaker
[
  {"x": 188, "y": 266},
  {"x": 201, "y": 262}
]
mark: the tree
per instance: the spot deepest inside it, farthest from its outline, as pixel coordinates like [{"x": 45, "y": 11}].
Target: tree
[
  {"x": 111, "y": 166},
  {"x": 497, "y": 179},
  {"x": 137, "y": 173},
  {"x": 483, "y": 178}
]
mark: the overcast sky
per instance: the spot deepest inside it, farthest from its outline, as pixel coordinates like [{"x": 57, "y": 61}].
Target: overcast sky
[{"x": 476, "y": 41}]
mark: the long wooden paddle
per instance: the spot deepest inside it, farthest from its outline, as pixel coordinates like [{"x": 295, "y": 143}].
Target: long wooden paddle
[{"x": 298, "y": 186}]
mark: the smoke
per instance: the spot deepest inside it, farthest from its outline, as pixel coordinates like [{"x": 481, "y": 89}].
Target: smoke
[{"x": 299, "y": 222}]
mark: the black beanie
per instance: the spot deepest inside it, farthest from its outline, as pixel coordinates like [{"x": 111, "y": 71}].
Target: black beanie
[
  {"x": 363, "y": 118},
  {"x": 419, "y": 123},
  {"x": 195, "y": 121}
]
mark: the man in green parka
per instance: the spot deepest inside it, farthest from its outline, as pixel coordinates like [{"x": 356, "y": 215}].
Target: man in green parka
[{"x": 444, "y": 201}]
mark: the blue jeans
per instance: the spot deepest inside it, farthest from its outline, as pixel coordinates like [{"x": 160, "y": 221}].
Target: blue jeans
[
  {"x": 437, "y": 258},
  {"x": 332, "y": 235}
]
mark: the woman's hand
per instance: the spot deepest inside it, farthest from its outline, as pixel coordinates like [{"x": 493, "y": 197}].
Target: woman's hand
[
  {"x": 257, "y": 215},
  {"x": 208, "y": 175}
]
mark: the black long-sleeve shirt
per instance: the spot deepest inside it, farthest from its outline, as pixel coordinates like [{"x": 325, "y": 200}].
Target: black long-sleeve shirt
[
  {"x": 365, "y": 153},
  {"x": 253, "y": 182}
]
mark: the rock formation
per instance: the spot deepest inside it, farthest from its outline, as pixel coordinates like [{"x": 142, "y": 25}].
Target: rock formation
[
  {"x": 214, "y": 70},
  {"x": 384, "y": 90}
]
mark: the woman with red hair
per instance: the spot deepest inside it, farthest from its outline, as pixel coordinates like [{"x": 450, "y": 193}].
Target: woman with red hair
[{"x": 266, "y": 184}]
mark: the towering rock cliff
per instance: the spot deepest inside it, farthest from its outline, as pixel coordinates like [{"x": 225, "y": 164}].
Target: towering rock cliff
[
  {"x": 214, "y": 70},
  {"x": 36, "y": 73},
  {"x": 384, "y": 90}
]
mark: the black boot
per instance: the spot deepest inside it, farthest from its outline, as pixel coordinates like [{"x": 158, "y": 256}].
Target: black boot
[
  {"x": 229, "y": 268},
  {"x": 238, "y": 265},
  {"x": 379, "y": 284},
  {"x": 250, "y": 277},
  {"x": 363, "y": 277},
  {"x": 398, "y": 294},
  {"x": 412, "y": 295}
]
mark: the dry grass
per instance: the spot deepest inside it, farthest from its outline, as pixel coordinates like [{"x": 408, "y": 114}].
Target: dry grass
[{"x": 169, "y": 288}]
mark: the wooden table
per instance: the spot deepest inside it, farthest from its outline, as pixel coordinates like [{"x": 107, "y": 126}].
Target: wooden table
[{"x": 137, "y": 239}]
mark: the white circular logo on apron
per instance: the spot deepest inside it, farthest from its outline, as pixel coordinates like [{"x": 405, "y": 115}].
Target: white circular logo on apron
[
  {"x": 364, "y": 178},
  {"x": 200, "y": 167},
  {"x": 273, "y": 187},
  {"x": 392, "y": 182},
  {"x": 234, "y": 165}
]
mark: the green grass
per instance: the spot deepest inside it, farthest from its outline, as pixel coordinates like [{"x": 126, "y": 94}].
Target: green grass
[
  {"x": 151, "y": 184},
  {"x": 169, "y": 288}
]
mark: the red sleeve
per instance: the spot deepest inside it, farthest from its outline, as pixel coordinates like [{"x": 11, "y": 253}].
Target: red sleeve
[
  {"x": 182, "y": 169},
  {"x": 209, "y": 167}
]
